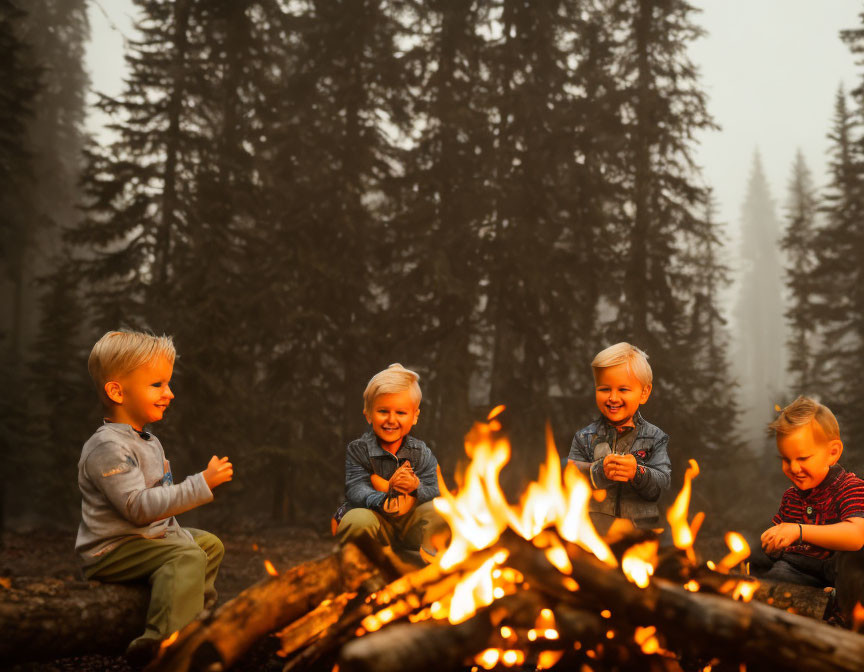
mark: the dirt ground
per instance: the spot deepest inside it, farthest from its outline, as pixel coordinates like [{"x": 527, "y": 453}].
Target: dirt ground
[{"x": 51, "y": 553}]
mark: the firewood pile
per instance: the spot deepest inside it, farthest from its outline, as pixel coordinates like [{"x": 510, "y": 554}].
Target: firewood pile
[{"x": 527, "y": 587}]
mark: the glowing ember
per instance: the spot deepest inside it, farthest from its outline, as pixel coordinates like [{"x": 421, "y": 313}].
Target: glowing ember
[
  {"x": 682, "y": 534},
  {"x": 646, "y": 639},
  {"x": 512, "y": 657},
  {"x": 692, "y": 586},
  {"x": 857, "y": 617},
  {"x": 168, "y": 641},
  {"x": 745, "y": 590},
  {"x": 739, "y": 551},
  {"x": 639, "y": 562},
  {"x": 271, "y": 570},
  {"x": 488, "y": 659},
  {"x": 545, "y": 619},
  {"x": 548, "y": 659}
]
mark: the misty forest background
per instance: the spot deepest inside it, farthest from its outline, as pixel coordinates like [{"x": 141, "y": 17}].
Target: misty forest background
[{"x": 487, "y": 191}]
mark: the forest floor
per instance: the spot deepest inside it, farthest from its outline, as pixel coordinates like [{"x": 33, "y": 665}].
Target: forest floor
[{"x": 51, "y": 553}]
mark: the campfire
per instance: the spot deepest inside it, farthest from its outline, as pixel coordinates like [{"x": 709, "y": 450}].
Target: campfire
[{"x": 526, "y": 586}]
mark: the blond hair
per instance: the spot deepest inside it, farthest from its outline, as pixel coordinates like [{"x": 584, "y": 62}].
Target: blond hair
[
  {"x": 395, "y": 378},
  {"x": 118, "y": 353},
  {"x": 625, "y": 353},
  {"x": 803, "y": 411}
]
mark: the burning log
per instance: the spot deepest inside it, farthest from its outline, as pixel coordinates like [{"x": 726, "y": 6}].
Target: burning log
[
  {"x": 43, "y": 618},
  {"x": 220, "y": 639},
  {"x": 693, "y": 622}
]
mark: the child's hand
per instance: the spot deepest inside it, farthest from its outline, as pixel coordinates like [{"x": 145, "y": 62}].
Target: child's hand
[
  {"x": 219, "y": 470},
  {"x": 619, "y": 467},
  {"x": 404, "y": 480},
  {"x": 776, "y": 538}
]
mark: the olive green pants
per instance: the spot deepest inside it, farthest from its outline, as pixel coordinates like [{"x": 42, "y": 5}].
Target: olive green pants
[
  {"x": 410, "y": 531},
  {"x": 181, "y": 576}
]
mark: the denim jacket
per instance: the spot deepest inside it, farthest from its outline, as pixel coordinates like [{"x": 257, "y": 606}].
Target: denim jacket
[
  {"x": 635, "y": 500},
  {"x": 365, "y": 457}
]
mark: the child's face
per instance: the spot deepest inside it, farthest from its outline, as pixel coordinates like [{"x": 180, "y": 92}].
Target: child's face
[
  {"x": 392, "y": 416},
  {"x": 142, "y": 395},
  {"x": 806, "y": 454},
  {"x": 619, "y": 393}
]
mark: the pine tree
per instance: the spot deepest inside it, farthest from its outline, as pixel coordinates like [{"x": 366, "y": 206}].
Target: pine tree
[
  {"x": 760, "y": 332},
  {"x": 19, "y": 80},
  {"x": 838, "y": 298},
  {"x": 533, "y": 250},
  {"x": 663, "y": 201},
  {"x": 445, "y": 202},
  {"x": 799, "y": 245}
]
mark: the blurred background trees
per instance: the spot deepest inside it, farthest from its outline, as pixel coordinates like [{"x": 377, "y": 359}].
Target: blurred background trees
[{"x": 488, "y": 191}]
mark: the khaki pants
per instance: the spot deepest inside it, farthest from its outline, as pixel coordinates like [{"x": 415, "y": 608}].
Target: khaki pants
[
  {"x": 181, "y": 576},
  {"x": 410, "y": 531}
]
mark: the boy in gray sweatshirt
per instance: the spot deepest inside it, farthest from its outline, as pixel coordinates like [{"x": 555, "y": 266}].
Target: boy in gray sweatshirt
[{"x": 128, "y": 497}]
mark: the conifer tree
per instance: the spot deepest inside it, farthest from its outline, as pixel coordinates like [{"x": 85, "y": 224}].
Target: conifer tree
[
  {"x": 445, "y": 202},
  {"x": 760, "y": 332},
  {"x": 799, "y": 245},
  {"x": 19, "y": 80},
  {"x": 534, "y": 286},
  {"x": 664, "y": 107},
  {"x": 836, "y": 278}
]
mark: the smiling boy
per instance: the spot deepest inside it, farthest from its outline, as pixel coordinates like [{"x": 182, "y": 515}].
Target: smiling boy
[
  {"x": 821, "y": 514},
  {"x": 390, "y": 476},
  {"x": 128, "y": 531},
  {"x": 621, "y": 452}
]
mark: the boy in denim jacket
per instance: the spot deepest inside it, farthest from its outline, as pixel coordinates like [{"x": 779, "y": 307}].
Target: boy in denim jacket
[
  {"x": 390, "y": 476},
  {"x": 621, "y": 452}
]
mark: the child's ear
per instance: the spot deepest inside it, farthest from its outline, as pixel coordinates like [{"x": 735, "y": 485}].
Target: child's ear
[
  {"x": 835, "y": 450},
  {"x": 114, "y": 390},
  {"x": 368, "y": 416},
  {"x": 646, "y": 392},
  {"x": 416, "y": 416}
]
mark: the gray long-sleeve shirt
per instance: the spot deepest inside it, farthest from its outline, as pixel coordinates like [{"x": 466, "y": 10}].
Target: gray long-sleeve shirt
[{"x": 127, "y": 491}]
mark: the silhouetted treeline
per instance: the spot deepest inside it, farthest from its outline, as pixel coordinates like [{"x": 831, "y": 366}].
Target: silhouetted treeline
[{"x": 486, "y": 191}]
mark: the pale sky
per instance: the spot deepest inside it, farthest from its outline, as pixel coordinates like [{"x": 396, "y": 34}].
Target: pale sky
[{"x": 770, "y": 67}]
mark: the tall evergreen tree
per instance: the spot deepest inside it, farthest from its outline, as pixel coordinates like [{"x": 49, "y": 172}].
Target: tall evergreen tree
[
  {"x": 445, "y": 209},
  {"x": 760, "y": 333},
  {"x": 838, "y": 298},
  {"x": 798, "y": 243},
  {"x": 19, "y": 79},
  {"x": 663, "y": 201}
]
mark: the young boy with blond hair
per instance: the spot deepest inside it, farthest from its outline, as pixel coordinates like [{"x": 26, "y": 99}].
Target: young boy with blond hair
[
  {"x": 390, "y": 476},
  {"x": 621, "y": 452},
  {"x": 128, "y": 497},
  {"x": 821, "y": 514}
]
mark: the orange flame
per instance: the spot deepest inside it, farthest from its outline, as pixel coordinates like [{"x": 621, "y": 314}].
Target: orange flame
[
  {"x": 745, "y": 590},
  {"x": 857, "y": 617},
  {"x": 639, "y": 562},
  {"x": 271, "y": 570},
  {"x": 682, "y": 534},
  {"x": 739, "y": 551},
  {"x": 169, "y": 640},
  {"x": 479, "y": 512}
]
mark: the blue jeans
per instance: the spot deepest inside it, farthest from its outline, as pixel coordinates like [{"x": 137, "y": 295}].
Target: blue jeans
[{"x": 844, "y": 570}]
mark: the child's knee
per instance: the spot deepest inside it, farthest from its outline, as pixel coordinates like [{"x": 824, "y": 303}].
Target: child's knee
[
  {"x": 356, "y": 522},
  {"x": 211, "y": 545},
  {"x": 189, "y": 561}
]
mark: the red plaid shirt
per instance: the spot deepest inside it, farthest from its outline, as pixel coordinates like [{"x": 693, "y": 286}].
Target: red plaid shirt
[{"x": 838, "y": 497}]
